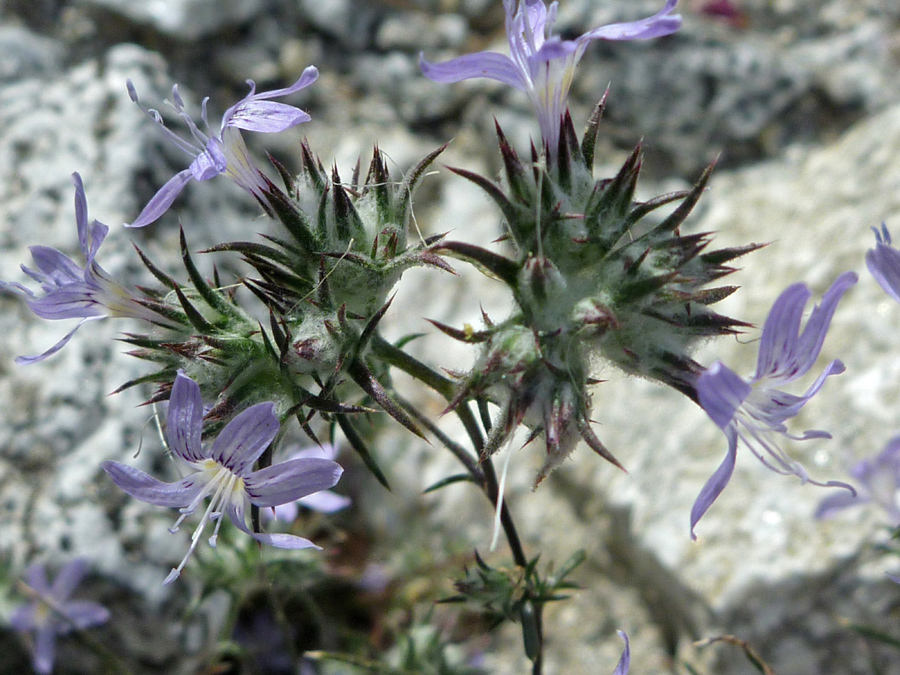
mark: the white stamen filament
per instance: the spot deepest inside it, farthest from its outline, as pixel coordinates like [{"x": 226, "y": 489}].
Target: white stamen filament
[
  {"x": 223, "y": 484},
  {"x": 758, "y": 435},
  {"x": 500, "y": 490}
]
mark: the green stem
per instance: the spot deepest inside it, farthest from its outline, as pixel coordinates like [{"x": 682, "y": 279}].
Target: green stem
[
  {"x": 492, "y": 489},
  {"x": 488, "y": 480},
  {"x": 458, "y": 451},
  {"x": 444, "y": 386}
]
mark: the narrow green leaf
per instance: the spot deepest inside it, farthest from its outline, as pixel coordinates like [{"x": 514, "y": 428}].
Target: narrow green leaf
[
  {"x": 410, "y": 183},
  {"x": 212, "y": 298},
  {"x": 359, "y": 446},
  {"x": 194, "y": 316},
  {"x": 366, "y": 381},
  {"x": 161, "y": 276},
  {"x": 589, "y": 139},
  {"x": 567, "y": 568},
  {"x": 510, "y": 211},
  {"x": 449, "y": 480},
  {"x": 493, "y": 264}
]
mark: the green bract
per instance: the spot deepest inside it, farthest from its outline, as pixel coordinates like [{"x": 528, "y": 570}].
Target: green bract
[
  {"x": 590, "y": 274},
  {"x": 325, "y": 281}
]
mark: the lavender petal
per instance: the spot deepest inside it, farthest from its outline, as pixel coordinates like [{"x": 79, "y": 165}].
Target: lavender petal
[
  {"x": 267, "y": 117},
  {"x": 810, "y": 343},
  {"x": 24, "y": 618},
  {"x": 491, "y": 65},
  {"x": 36, "y": 578},
  {"x": 28, "y": 360},
  {"x": 778, "y": 342},
  {"x": 59, "y": 268},
  {"x": 245, "y": 438},
  {"x": 184, "y": 422},
  {"x": 209, "y": 163},
  {"x": 68, "y": 578},
  {"x": 81, "y": 213},
  {"x": 74, "y": 302},
  {"x": 162, "y": 200},
  {"x": 785, "y": 353},
  {"x": 309, "y": 75},
  {"x": 838, "y": 502},
  {"x": 148, "y": 489},
  {"x": 721, "y": 392},
  {"x": 44, "y": 649},
  {"x": 289, "y": 541},
  {"x": 716, "y": 483},
  {"x": 252, "y": 115},
  {"x": 291, "y": 480},
  {"x": 90, "y": 235},
  {"x": 325, "y": 501},
  {"x": 884, "y": 264},
  {"x": 660, "y": 24},
  {"x": 85, "y": 614},
  {"x": 625, "y": 660}
]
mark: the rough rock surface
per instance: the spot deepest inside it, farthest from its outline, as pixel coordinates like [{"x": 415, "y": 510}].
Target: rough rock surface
[
  {"x": 182, "y": 19},
  {"x": 775, "y": 92}
]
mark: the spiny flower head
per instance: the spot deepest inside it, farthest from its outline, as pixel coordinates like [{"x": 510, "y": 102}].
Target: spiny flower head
[
  {"x": 348, "y": 240},
  {"x": 225, "y": 151},
  {"x": 590, "y": 276},
  {"x": 754, "y": 411},
  {"x": 73, "y": 292},
  {"x": 224, "y": 471},
  {"x": 541, "y": 63},
  {"x": 325, "y": 281}
]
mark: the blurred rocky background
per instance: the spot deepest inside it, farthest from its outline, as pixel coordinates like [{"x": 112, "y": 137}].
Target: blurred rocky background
[{"x": 798, "y": 101}]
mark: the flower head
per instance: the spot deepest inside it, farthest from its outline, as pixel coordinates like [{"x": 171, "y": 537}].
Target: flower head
[
  {"x": 224, "y": 152},
  {"x": 540, "y": 63},
  {"x": 755, "y": 411},
  {"x": 878, "y": 478},
  {"x": 51, "y": 613},
  {"x": 72, "y": 292},
  {"x": 225, "y": 471},
  {"x": 883, "y": 262}
]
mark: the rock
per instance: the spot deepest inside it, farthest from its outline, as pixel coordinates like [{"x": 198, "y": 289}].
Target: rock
[
  {"x": 183, "y": 19},
  {"x": 762, "y": 561},
  {"x": 24, "y": 54},
  {"x": 417, "y": 32},
  {"x": 351, "y": 21},
  {"x": 743, "y": 92},
  {"x": 762, "y": 570}
]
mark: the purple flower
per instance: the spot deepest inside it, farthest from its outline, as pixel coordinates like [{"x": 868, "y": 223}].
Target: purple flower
[
  {"x": 879, "y": 481},
  {"x": 540, "y": 63},
  {"x": 883, "y": 262},
  {"x": 73, "y": 292},
  {"x": 755, "y": 412},
  {"x": 324, "y": 501},
  {"x": 51, "y": 613},
  {"x": 225, "y": 470},
  {"x": 224, "y": 152},
  {"x": 625, "y": 659}
]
